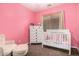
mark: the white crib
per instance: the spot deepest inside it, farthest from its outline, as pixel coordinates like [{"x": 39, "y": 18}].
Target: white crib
[{"x": 58, "y": 38}]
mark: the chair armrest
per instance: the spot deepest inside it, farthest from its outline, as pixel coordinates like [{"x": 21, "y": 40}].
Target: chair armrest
[{"x": 9, "y": 42}]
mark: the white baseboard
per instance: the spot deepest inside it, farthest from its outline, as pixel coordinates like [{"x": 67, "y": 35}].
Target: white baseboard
[{"x": 75, "y": 47}]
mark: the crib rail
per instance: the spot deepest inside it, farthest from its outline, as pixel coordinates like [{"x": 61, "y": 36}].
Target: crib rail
[{"x": 58, "y": 38}]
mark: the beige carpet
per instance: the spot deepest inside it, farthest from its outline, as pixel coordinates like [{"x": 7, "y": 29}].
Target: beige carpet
[{"x": 37, "y": 50}]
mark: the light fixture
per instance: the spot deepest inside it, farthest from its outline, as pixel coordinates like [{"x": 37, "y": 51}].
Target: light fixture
[{"x": 49, "y": 5}]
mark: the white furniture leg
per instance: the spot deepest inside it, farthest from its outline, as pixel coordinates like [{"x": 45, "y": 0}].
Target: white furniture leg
[
  {"x": 42, "y": 45},
  {"x": 70, "y": 52}
]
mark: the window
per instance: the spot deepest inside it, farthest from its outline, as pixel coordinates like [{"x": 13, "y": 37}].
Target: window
[{"x": 53, "y": 21}]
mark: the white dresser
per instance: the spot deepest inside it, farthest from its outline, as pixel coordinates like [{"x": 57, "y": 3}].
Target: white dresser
[{"x": 36, "y": 34}]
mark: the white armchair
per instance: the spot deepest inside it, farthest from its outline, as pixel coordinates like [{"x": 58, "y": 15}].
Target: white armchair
[{"x": 6, "y": 45}]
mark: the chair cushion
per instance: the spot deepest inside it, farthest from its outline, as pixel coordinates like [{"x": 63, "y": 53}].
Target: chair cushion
[
  {"x": 21, "y": 47},
  {"x": 20, "y": 50}
]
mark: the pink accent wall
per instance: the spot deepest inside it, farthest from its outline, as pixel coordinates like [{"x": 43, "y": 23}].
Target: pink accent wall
[
  {"x": 14, "y": 21},
  {"x": 71, "y": 19}
]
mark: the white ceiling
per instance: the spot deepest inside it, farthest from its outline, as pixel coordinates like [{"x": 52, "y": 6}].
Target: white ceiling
[{"x": 39, "y": 6}]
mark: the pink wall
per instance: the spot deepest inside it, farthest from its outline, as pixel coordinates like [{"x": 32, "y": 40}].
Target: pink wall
[
  {"x": 71, "y": 21},
  {"x": 14, "y": 20}
]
